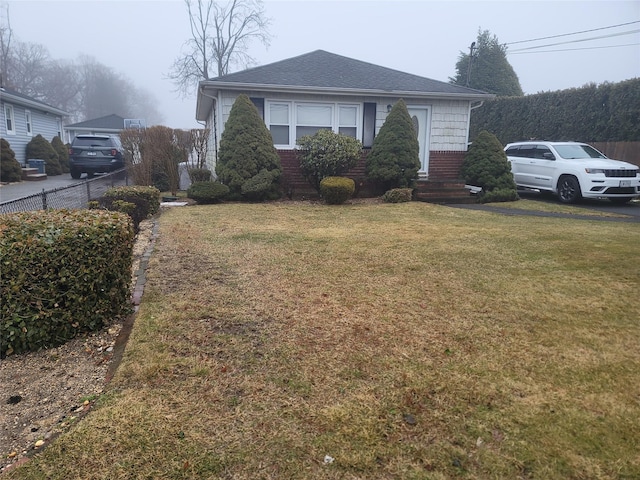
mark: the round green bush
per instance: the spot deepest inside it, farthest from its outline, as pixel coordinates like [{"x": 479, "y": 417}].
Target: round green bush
[
  {"x": 397, "y": 195},
  {"x": 10, "y": 170},
  {"x": 337, "y": 190},
  {"x": 40, "y": 148},
  {"x": 199, "y": 175},
  {"x": 63, "y": 154},
  {"x": 207, "y": 192}
]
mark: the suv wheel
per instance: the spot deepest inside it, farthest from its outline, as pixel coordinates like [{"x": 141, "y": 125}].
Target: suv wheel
[
  {"x": 569, "y": 189},
  {"x": 75, "y": 173}
]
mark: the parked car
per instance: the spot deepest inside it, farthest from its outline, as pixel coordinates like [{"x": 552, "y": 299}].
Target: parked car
[
  {"x": 572, "y": 170},
  {"x": 95, "y": 154}
]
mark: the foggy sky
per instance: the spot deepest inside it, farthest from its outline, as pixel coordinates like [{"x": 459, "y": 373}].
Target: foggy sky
[{"x": 140, "y": 39}]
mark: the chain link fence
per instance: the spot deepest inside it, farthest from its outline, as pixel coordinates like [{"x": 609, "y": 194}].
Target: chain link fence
[{"x": 74, "y": 196}]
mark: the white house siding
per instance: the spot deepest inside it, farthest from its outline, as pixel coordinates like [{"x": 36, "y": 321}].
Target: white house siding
[
  {"x": 449, "y": 118},
  {"x": 41, "y": 123}
]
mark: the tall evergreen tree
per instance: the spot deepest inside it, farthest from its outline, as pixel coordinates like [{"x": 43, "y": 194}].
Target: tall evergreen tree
[
  {"x": 394, "y": 159},
  {"x": 490, "y": 70},
  {"x": 248, "y": 163}
]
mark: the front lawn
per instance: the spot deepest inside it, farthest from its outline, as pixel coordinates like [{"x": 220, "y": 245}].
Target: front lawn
[{"x": 405, "y": 341}]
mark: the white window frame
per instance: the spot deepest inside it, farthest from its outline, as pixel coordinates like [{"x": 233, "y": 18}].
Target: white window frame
[
  {"x": 29, "y": 122},
  {"x": 9, "y": 118},
  {"x": 293, "y": 121}
]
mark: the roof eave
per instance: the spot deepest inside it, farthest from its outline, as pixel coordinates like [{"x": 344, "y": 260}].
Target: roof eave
[
  {"x": 33, "y": 104},
  {"x": 214, "y": 87}
]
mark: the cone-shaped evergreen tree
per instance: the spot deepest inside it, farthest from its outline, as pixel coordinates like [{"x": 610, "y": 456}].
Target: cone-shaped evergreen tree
[
  {"x": 247, "y": 155},
  {"x": 486, "y": 165},
  {"x": 10, "y": 170},
  {"x": 63, "y": 153},
  {"x": 40, "y": 148},
  {"x": 394, "y": 159}
]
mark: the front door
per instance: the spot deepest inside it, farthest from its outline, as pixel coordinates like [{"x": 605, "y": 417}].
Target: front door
[{"x": 420, "y": 116}]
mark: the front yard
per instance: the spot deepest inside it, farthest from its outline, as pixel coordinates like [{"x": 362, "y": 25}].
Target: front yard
[{"x": 409, "y": 341}]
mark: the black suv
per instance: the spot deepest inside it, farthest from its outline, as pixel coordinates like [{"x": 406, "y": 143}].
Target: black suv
[{"x": 95, "y": 153}]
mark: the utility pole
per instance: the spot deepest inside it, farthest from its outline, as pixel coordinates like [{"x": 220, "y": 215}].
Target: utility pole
[{"x": 471, "y": 49}]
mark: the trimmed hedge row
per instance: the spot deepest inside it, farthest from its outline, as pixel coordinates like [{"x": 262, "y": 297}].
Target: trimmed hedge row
[
  {"x": 136, "y": 201},
  {"x": 63, "y": 273},
  {"x": 595, "y": 113}
]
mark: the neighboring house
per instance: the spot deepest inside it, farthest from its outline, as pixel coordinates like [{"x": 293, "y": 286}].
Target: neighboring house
[
  {"x": 301, "y": 95},
  {"x": 24, "y": 117},
  {"x": 108, "y": 125}
]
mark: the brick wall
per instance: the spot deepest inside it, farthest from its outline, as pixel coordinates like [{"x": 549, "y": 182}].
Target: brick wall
[{"x": 442, "y": 166}]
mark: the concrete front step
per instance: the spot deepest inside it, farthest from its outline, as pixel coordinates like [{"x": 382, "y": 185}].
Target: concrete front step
[
  {"x": 34, "y": 177},
  {"x": 443, "y": 191},
  {"x": 31, "y": 174}
]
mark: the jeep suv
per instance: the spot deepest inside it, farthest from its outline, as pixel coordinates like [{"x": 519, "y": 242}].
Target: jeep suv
[
  {"x": 95, "y": 153},
  {"x": 572, "y": 171}
]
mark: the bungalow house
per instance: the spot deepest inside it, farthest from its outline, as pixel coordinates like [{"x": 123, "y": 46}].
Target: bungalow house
[
  {"x": 24, "y": 117},
  {"x": 303, "y": 94},
  {"x": 107, "y": 125}
]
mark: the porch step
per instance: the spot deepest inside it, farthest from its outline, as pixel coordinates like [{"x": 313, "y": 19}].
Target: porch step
[
  {"x": 31, "y": 174},
  {"x": 443, "y": 191}
]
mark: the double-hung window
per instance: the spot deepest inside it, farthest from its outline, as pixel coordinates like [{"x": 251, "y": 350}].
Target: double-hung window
[
  {"x": 8, "y": 118},
  {"x": 27, "y": 118},
  {"x": 288, "y": 121}
]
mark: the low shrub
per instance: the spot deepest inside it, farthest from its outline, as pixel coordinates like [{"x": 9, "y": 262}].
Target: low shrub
[
  {"x": 63, "y": 273},
  {"x": 146, "y": 198},
  {"x": 199, "y": 175},
  {"x": 207, "y": 192},
  {"x": 136, "y": 208},
  {"x": 261, "y": 187},
  {"x": 337, "y": 190},
  {"x": 398, "y": 195},
  {"x": 498, "y": 195}
]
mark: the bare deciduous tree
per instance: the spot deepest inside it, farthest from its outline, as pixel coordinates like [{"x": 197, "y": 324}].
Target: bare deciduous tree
[
  {"x": 6, "y": 34},
  {"x": 220, "y": 37},
  {"x": 200, "y": 143}
]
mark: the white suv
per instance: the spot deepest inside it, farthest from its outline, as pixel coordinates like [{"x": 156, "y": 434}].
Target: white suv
[{"x": 572, "y": 171}]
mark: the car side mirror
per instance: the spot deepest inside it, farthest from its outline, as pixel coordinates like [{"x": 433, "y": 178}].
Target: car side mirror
[{"x": 548, "y": 156}]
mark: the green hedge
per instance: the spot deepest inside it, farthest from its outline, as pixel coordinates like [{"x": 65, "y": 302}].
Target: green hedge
[
  {"x": 207, "y": 192},
  {"x": 594, "y": 113},
  {"x": 147, "y": 196},
  {"x": 63, "y": 273}
]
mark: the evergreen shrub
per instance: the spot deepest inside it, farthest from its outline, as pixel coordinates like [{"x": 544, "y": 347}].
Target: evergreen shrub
[
  {"x": 327, "y": 154},
  {"x": 146, "y": 199},
  {"x": 64, "y": 273},
  {"x": 10, "y": 169},
  {"x": 263, "y": 186},
  {"x": 337, "y": 190},
  {"x": 199, "y": 174},
  {"x": 394, "y": 159},
  {"x": 486, "y": 165},
  {"x": 207, "y": 192},
  {"x": 398, "y": 195},
  {"x": 246, "y": 148},
  {"x": 40, "y": 148},
  {"x": 63, "y": 154}
]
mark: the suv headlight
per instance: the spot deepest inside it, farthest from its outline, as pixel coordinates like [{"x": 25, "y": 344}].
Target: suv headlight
[{"x": 594, "y": 170}]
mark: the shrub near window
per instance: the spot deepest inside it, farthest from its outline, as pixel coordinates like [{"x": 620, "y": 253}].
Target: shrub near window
[
  {"x": 337, "y": 190},
  {"x": 10, "y": 170},
  {"x": 327, "y": 154},
  {"x": 63, "y": 273}
]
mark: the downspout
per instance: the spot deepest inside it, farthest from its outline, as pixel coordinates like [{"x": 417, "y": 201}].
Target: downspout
[
  {"x": 215, "y": 123},
  {"x": 471, "y": 108}
]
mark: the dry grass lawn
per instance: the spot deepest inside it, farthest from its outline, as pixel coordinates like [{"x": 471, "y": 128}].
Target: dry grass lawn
[{"x": 386, "y": 341}]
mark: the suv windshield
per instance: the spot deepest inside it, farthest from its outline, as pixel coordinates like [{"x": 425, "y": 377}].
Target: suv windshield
[
  {"x": 92, "y": 142},
  {"x": 578, "y": 151}
]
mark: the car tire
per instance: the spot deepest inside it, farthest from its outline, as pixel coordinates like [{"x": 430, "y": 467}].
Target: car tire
[
  {"x": 75, "y": 173},
  {"x": 569, "y": 189}
]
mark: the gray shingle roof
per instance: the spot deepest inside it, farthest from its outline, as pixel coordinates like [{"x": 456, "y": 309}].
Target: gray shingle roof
[
  {"x": 111, "y": 122},
  {"x": 325, "y": 70}
]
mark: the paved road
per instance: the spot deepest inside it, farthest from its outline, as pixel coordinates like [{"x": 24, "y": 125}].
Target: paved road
[{"x": 13, "y": 191}]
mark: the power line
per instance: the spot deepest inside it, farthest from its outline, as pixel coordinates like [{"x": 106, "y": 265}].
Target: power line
[
  {"x": 577, "y": 41},
  {"x": 522, "y": 52},
  {"x": 574, "y": 33}
]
